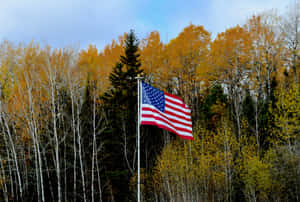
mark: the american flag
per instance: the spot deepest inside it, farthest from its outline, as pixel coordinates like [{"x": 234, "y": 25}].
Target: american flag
[{"x": 166, "y": 111}]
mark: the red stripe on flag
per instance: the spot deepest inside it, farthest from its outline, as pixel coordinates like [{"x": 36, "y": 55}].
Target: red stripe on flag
[
  {"x": 172, "y": 120},
  {"x": 178, "y": 116},
  {"x": 180, "y": 103},
  {"x": 166, "y": 112},
  {"x": 167, "y": 128},
  {"x": 176, "y": 109},
  {"x": 167, "y": 122},
  {"x": 174, "y": 96}
]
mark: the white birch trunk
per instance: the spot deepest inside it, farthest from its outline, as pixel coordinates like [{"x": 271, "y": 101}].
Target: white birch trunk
[
  {"x": 52, "y": 78},
  {"x": 3, "y": 177},
  {"x": 48, "y": 175},
  {"x": 2, "y": 117},
  {"x": 74, "y": 144},
  {"x": 94, "y": 143},
  {"x": 33, "y": 128},
  {"x": 80, "y": 154}
]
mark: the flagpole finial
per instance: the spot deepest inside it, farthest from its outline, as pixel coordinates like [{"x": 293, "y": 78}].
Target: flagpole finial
[{"x": 139, "y": 76}]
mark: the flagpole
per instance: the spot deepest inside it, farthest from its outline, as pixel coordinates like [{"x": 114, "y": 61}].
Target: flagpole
[{"x": 138, "y": 138}]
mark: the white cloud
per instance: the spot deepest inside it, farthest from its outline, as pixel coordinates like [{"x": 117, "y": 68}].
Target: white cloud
[
  {"x": 216, "y": 15},
  {"x": 63, "y": 22},
  {"x": 228, "y": 13}
]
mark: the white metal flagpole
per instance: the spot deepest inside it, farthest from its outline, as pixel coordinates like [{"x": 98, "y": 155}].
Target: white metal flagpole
[{"x": 138, "y": 138}]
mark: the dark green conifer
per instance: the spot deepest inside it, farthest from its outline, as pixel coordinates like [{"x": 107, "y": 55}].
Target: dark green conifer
[{"x": 121, "y": 108}]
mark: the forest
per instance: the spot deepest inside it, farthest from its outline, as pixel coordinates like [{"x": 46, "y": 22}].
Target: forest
[{"x": 68, "y": 117}]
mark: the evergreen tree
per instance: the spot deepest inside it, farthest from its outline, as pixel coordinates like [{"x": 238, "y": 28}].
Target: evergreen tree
[
  {"x": 121, "y": 109},
  {"x": 248, "y": 113},
  {"x": 248, "y": 109},
  {"x": 266, "y": 119},
  {"x": 215, "y": 98}
]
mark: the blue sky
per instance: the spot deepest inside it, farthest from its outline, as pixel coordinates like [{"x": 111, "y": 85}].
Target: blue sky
[{"x": 77, "y": 23}]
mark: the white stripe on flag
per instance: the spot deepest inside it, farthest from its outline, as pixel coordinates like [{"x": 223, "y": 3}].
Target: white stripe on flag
[
  {"x": 166, "y": 120},
  {"x": 167, "y": 125},
  {"x": 167, "y": 115}
]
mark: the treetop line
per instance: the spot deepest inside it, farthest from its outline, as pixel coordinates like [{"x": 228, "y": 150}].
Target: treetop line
[{"x": 68, "y": 121}]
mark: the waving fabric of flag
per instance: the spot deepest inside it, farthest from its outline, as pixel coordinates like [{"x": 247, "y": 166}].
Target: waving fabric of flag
[{"x": 166, "y": 111}]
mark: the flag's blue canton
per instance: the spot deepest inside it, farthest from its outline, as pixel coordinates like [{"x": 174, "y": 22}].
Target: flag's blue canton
[{"x": 153, "y": 96}]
